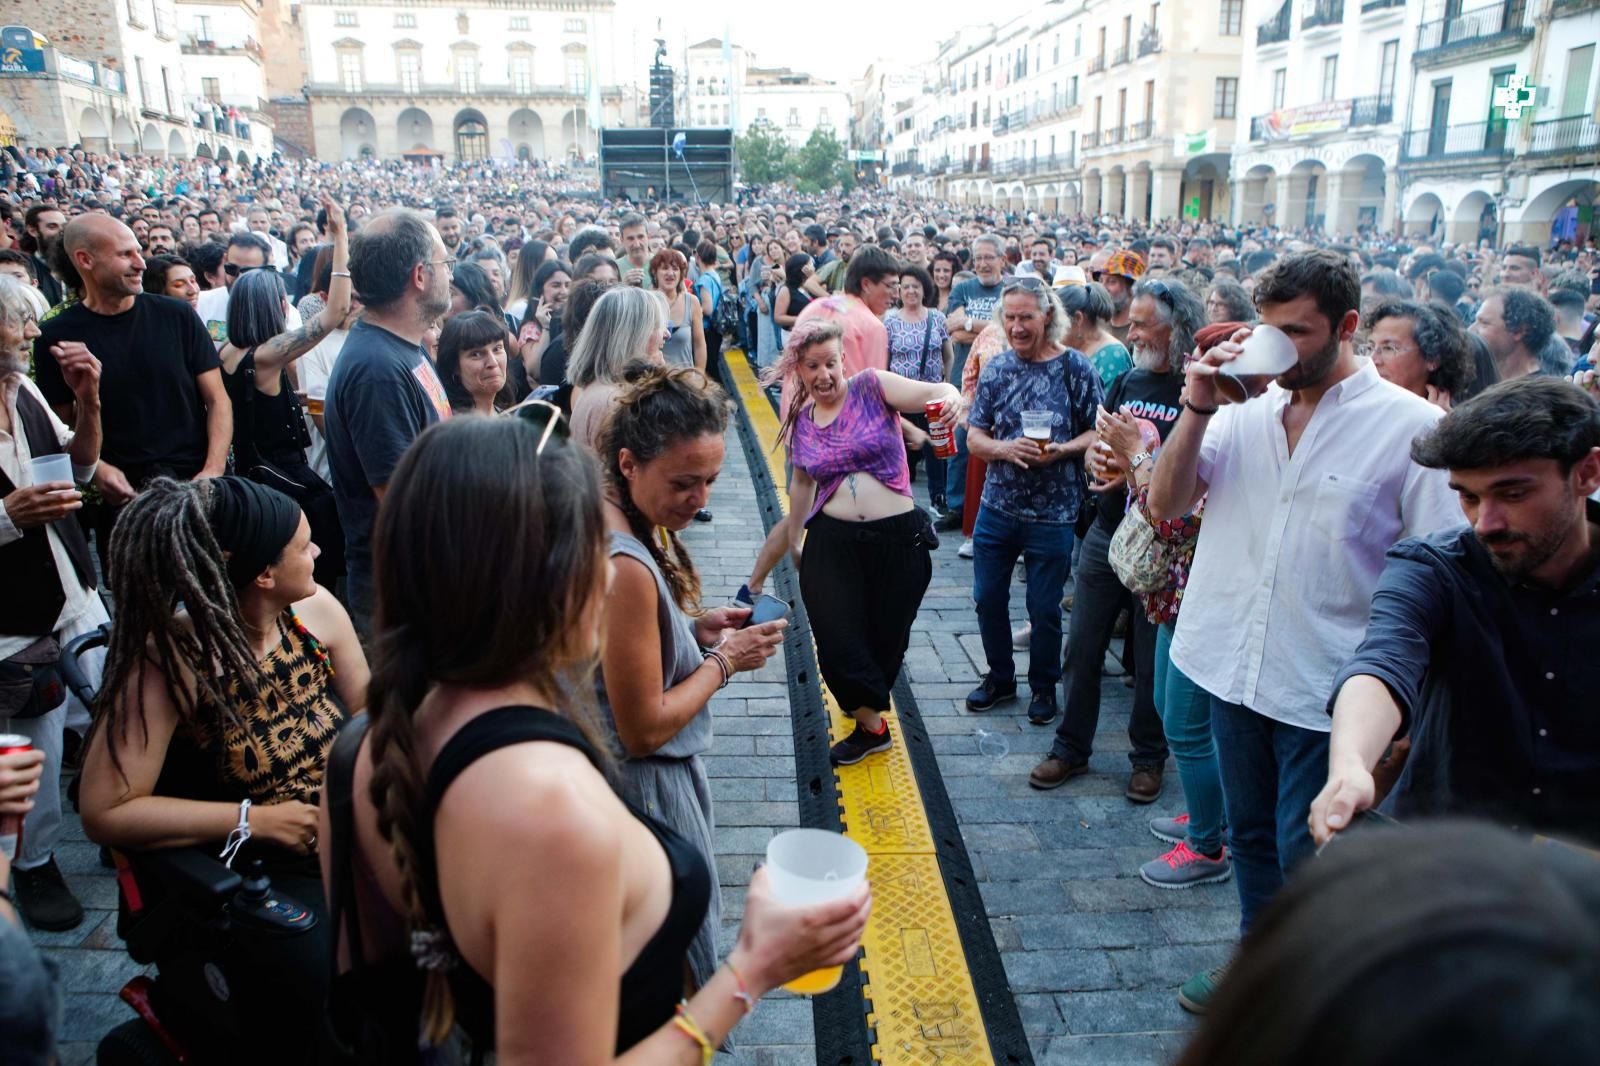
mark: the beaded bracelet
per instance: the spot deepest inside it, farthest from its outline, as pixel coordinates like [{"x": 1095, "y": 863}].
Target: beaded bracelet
[{"x": 691, "y": 1028}]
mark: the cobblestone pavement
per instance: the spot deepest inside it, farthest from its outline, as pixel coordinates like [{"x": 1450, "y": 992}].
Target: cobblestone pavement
[{"x": 1093, "y": 955}]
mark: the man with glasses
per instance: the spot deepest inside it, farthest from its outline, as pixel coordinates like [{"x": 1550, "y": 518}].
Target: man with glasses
[
  {"x": 972, "y": 304},
  {"x": 246, "y": 252},
  {"x": 383, "y": 392}
]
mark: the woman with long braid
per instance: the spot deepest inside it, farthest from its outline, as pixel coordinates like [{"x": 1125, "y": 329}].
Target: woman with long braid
[
  {"x": 544, "y": 913},
  {"x": 219, "y": 713}
]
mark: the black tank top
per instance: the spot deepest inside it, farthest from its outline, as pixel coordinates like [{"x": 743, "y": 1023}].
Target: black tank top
[{"x": 653, "y": 985}]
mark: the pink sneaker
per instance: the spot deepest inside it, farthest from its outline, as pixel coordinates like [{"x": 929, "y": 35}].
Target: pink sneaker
[{"x": 1184, "y": 868}]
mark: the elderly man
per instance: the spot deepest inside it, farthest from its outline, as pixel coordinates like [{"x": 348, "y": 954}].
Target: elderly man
[
  {"x": 49, "y": 579},
  {"x": 972, "y": 304},
  {"x": 1165, "y": 316},
  {"x": 1032, "y": 491}
]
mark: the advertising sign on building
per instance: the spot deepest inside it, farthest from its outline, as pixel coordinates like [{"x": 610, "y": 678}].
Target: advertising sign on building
[{"x": 1329, "y": 116}]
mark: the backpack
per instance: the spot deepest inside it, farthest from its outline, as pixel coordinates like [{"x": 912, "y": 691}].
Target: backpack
[{"x": 724, "y": 312}]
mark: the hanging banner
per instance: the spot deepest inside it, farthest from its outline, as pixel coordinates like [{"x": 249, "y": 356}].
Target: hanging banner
[
  {"x": 1328, "y": 116},
  {"x": 1195, "y": 143}
]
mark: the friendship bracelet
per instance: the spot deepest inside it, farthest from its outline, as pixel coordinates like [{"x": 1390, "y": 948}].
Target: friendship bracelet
[
  {"x": 723, "y": 663},
  {"x": 1200, "y": 410},
  {"x": 691, "y": 1028},
  {"x": 743, "y": 995}
]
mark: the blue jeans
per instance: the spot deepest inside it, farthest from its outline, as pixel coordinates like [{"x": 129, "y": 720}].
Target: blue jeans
[
  {"x": 1186, "y": 715},
  {"x": 997, "y": 540},
  {"x": 1270, "y": 774},
  {"x": 955, "y": 474}
]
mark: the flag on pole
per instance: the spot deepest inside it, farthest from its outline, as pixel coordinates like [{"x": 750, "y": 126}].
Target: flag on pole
[{"x": 1195, "y": 143}]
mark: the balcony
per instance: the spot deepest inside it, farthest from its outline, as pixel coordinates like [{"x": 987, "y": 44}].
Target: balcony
[
  {"x": 1002, "y": 123},
  {"x": 1482, "y": 32},
  {"x": 1112, "y": 136},
  {"x": 1370, "y": 7},
  {"x": 1055, "y": 163},
  {"x": 1120, "y": 56},
  {"x": 1323, "y": 13},
  {"x": 910, "y": 166},
  {"x": 196, "y": 46},
  {"x": 50, "y": 63},
  {"x": 1090, "y": 140},
  {"x": 1559, "y": 136},
  {"x": 1140, "y": 131},
  {"x": 1149, "y": 41},
  {"x": 1275, "y": 30},
  {"x": 1097, "y": 64},
  {"x": 1371, "y": 110},
  {"x": 1468, "y": 140},
  {"x": 1327, "y": 117},
  {"x": 450, "y": 90}
]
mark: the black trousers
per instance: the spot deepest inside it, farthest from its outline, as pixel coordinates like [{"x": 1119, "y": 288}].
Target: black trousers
[{"x": 863, "y": 584}]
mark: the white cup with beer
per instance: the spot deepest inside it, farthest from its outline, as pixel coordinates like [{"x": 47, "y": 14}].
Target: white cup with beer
[
  {"x": 810, "y": 866},
  {"x": 1267, "y": 352},
  {"x": 1037, "y": 427}
]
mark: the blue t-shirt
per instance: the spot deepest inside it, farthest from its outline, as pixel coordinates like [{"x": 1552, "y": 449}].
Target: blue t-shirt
[
  {"x": 382, "y": 394},
  {"x": 1066, "y": 385},
  {"x": 979, "y": 300}
]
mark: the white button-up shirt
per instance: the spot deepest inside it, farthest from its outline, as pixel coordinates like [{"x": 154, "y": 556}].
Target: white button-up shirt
[{"x": 1292, "y": 545}]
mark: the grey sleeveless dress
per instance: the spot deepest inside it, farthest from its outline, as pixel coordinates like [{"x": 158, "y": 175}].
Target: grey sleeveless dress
[
  {"x": 678, "y": 348},
  {"x": 670, "y": 784}
]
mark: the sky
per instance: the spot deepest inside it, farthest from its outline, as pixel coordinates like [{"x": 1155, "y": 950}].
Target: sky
[{"x": 834, "y": 39}]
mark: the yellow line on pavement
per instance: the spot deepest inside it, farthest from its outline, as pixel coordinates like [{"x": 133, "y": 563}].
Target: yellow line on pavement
[{"x": 924, "y": 1006}]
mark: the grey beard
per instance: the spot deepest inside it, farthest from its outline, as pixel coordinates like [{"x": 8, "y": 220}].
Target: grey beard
[{"x": 1149, "y": 359}]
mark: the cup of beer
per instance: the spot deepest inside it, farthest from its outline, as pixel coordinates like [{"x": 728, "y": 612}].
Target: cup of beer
[
  {"x": 316, "y": 398},
  {"x": 1036, "y": 426},
  {"x": 1268, "y": 352},
  {"x": 808, "y": 866}
]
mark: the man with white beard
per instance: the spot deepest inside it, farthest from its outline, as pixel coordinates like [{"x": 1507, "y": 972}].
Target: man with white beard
[{"x": 1163, "y": 318}]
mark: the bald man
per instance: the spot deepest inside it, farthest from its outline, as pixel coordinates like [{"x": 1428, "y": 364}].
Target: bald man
[{"x": 164, "y": 411}]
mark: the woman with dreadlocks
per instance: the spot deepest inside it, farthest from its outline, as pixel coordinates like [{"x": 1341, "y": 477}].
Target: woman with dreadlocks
[{"x": 228, "y": 675}]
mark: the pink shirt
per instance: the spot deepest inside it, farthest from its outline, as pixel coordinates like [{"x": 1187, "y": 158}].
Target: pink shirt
[
  {"x": 863, "y": 439},
  {"x": 866, "y": 341}
]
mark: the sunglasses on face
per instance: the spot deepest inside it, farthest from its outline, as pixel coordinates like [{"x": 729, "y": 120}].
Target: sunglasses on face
[
  {"x": 233, "y": 270},
  {"x": 1157, "y": 289},
  {"x": 547, "y": 418},
  {"x": 1021, "y": 285}
]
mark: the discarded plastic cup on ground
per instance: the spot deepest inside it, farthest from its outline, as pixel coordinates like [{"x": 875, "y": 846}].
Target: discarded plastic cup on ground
[
  {"x": 992, "y": 744},
  {"x": 1268, "y": 352},
  {"x": 807, "y": 866},
  {"x": 48, "y": 468}
]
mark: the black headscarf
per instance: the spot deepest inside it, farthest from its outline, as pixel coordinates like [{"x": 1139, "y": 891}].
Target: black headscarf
[{"x": 252, "y": 524}]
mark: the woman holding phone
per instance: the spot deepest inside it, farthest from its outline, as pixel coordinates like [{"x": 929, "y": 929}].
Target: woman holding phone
[{"x": 866, "y": 561}]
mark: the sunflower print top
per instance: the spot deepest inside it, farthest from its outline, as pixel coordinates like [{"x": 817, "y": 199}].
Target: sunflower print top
[{"x": 278, "y": 748}]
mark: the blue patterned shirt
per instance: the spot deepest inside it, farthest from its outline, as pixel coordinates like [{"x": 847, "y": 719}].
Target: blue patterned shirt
[{"x": 1066, "y": 385}]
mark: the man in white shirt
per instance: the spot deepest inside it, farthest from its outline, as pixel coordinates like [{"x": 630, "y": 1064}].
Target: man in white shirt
[
  {"x": 246, "y": 252},
  {"x": 1041, "y": 261},
  {"x": 259, "y": 222},
  {"x": 1306, "y": 488}
]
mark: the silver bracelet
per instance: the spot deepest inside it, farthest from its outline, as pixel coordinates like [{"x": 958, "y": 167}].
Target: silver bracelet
[{"x": 340, "y": 273}]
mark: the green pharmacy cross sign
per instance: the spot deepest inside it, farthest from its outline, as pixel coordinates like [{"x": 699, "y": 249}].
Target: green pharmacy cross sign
[{"x": 1513, "y": 96}]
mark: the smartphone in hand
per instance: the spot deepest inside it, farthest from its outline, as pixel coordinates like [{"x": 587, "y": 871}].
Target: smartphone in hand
[{"x": 767, "y": 609}]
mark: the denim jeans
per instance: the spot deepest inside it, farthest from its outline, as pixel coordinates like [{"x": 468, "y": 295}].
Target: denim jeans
[
  {"x": 1097, "y": 598},
  {"x": 1186, "y": 715},
  {"x": 955, "y": 474},
  {"x": 1270, "y": 774},
  {"x": 997, "y": 540}
]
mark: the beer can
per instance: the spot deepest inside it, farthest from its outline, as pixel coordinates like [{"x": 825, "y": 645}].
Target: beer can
[
  {"x": 11, "y": 824},
  {"x": 940, "y": 436}
]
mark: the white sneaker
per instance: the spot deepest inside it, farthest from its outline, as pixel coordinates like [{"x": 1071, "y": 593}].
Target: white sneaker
[
  {"x": 965, "y": 551},
  {"x": 1020, "y": 638}
]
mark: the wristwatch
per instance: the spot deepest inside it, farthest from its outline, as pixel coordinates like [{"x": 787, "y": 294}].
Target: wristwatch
[{"x": 1138, "y": 460}]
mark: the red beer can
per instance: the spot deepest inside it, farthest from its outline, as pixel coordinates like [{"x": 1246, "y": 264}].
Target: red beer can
[
  {"x": 11, "y": 824},
  {"x": 941, "y": 437}
]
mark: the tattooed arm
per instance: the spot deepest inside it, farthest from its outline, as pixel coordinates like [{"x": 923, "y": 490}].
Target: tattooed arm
[{"x": 286, "y": 347}]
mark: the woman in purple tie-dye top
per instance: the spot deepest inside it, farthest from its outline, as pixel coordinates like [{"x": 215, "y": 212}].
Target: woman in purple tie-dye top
[{"x": 866, "y": 561}]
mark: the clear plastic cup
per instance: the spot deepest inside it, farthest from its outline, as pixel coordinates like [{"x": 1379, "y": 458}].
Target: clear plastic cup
[
  {"x": 1036, "y": 426},
  {"x": 808, "y": 866},
  {"x": 47, "y": 468},
  {"x": 1268, "y": 352}
]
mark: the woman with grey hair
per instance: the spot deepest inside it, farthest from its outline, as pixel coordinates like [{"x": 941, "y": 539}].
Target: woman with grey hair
[
  {"x": 626, "y": 324},
  {"x": 1423, "y": 348},
  {"x": 270, "y": 437}
]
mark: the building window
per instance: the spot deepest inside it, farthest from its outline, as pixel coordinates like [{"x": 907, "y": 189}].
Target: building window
[
  {"x": 1386, "y": 71},
  {"x": 410, "y": 64},
  {"x": 144, "y": 86},
  {"x": 574, "y": 26},
  {"x": 345, "y": 18},
  {"x": 794, "y": 116},
  {"x": 577, "y": 74},
  {"x": 1149, "y": 101},
  {"x": 1231, "y": 18},
  {"x": 405, "y": 22},
  {"x": 519, "y": 22},
  {"x": 136, "y": 10},
  {"x": 1330, "y": 77},
  {"x": 166, "y": 90},
  {"x": 211, "y": 88},
  {"x": 467, "y": 72},
  {"x": 1280, "y": 82},
  {"x": 1072, "y": 92},
  {"x": 1055, "y": 54},
  {"x": 1227, "y": 98},
  {"x": 463, "y": 24},
  {"x": 1077, "y": 41},
  {"x": 202, "y": 28},
  {"x": 823, "y": 119},
  {"x": 350, "y": 71},
  {"x": 522, "y": 73}
]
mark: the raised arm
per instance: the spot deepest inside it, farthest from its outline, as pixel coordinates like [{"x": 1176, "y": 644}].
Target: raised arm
[{"x": 286, "y": 347}]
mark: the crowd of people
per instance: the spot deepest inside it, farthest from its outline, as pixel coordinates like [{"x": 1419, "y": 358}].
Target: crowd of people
[{"x": 325, "y": 420}]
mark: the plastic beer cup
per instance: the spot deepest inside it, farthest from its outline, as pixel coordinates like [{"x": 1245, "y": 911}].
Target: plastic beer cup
[
  {"x": 808, "y": 866},
  {"x": 1036, "y": 426}
]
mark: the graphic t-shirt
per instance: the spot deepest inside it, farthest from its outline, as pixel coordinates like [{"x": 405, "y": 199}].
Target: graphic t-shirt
[
  {"x": 382, "y": 394},
  {"x": 981, "y": 301},
  {"x": 1152, "y": 397},
  {"x": 1067, "y": 386}
]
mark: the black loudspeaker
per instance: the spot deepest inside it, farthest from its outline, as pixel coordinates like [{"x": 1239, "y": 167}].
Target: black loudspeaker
[{"x": 640, "y": 164}]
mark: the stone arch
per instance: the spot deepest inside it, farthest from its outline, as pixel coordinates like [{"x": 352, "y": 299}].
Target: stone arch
[
  {"x": 1307, "y": 195},
  {"x": 202, "y": 150},
  {"x": 574, "y": 131},
  {"x": 242, "y": 159},
  {"x": 93, "y": 133},
  {"x": 1093, "y": 192},
  {"x": 223, "y": 155},
  {"x": 123, "y": 136},
  {"x": 1424, "y": 215},
  {"x": 1031, "y": 196},
  {"x": 1533, "y": 225},
  {"x": 175, "y": 146},
  {"x": 1258, "y": 194},
  {"x": 471, "y": 132},
  {"x": 1356, "y": 194},
  {"x": 1114, "y": 191},
  {"x": 1205, "y": 178},
  {"x": 526, "y": 129},
  {"x": 413, "y": 129},
  {"x": 1466, "y": 221},
  {"x": 358, "y": 133},
  {"x": 1050, "y": 198},
  {"x": 150, "y": 141}
]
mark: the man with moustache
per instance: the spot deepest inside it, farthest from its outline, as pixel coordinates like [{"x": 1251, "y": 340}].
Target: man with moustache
[
  {"x": 42, "y": 227},
  {"x": 160, "y": 240},
  {"x": 1306, "y": 488}
]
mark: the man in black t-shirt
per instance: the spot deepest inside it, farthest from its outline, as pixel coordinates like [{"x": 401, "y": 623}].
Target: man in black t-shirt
[
  {"x": 1163, "y": 318},
  {"x": 163, "y": 407}
]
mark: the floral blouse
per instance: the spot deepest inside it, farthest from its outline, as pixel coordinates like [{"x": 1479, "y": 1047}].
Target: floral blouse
[{"x": 1183, "y": 532}]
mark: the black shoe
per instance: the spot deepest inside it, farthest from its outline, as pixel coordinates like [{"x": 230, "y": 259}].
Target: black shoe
[
  {"x": 44, "y": 898},
  {"x": 702, "y": 515},
  {"x": 949, "y": 523},
  {"x": 858, "y": 745},
  {"x": 989, "y": 693},
  {"x": 1042, "y": 708}
]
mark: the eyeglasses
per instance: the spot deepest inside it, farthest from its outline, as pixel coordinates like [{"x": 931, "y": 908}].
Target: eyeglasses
[
  {"x": 448, "y": 260},
  {"x": 1387, "y": 350},
  {"x": 233, "y": 270},
  {"x": 545, "y": 416}
]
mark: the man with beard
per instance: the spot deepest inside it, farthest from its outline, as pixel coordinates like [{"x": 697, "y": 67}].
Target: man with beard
[
  {"x": 449, "y": 225},
  {"x": 1517, "y": 325},
  {"x": 1480, "y": 643},
  {"x": 383, "y": 392},
  {"x": 1165, "y": 318},
  {"x": 160, "y": 240},
  {"x": 1306, "y": 487},
  {"x": 42, "y": 227}
]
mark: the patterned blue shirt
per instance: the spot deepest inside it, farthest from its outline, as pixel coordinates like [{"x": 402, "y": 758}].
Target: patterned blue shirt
[{"x": 1066, "y": 385}]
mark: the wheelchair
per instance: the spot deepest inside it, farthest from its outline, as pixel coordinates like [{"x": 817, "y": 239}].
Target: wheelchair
[{"x": 201, "y": 925}]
